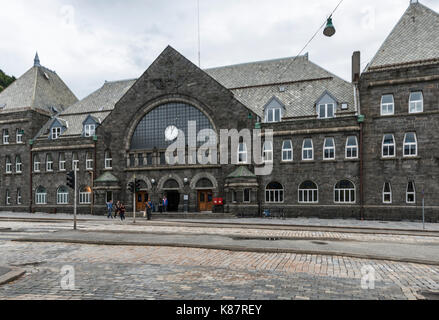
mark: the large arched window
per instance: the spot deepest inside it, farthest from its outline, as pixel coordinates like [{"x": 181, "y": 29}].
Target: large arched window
[
  {"x": 62, "y": 195},
  {"x": 41, "y": 195},
  {"x": 308, "y": 192},
  {"x": 85, "y": 195},
  {"x": 344, "y": 192},
  {"x": 274, "y": 193},
  {"x": 150, "y": 132}
]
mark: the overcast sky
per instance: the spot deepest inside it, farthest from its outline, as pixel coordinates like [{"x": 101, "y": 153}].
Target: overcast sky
[{"x": 89, "y": 41}]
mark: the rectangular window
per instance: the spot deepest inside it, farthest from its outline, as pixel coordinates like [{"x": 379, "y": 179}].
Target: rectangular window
[
  {"x": 62, "y": 198},
  {"x": 387, "y": 105},
  {"x": 89, "y": 130},
  {"x": 56, "y": 132},
  {"x": 62, "y": 165},
  {"x": 18, "y": 196},
  {"x": 352, "y": 148},
  {"x": 329, "y": 149},
  {"x": 8, "y": 167},
  {"x": 416, "y": 103},
  {"x": 410, "y": 145},
  {"x": 41, "y": 198},
  {"x": 36, "y": 166},
  {"x": 18, "y": 167},
  {"x": 287, "y": 151},
  {"x": 19, "y": 136},
  {"x": 273, "y": 115},
  {"x": 149, "y": 159},
  {"x": 8, "y": 197},
  {"x": 132, "y": 161},
  {"x": 388, "y": 146},
  {"x": 326, "y": 111},
  {"x": 84, "y": 197},
  {"x": 140, "y": 159},
  {"x": 5, "y": 136},
  {"x": 89, "y": 163},
  {"x": 308, "y": 150},
  {"x": 247, "y": 196}
]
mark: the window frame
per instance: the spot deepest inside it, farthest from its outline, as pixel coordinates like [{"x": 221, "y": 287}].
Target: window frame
[
  {"x": 350, "y": 148},
  {"x": 84, "y": 196},
  {"x": 242, "y": 152},
  {"x": 8, "y": 165},
  {"x": 49, "y": 163},
  {"x": 410, "y": 144},
  {"x": 268, "y": 152},
  {"x": 249, "y": 196},
  {"x": 5, "y": 136},
  {"x": 345, "y": 191},
  {"x": 415, "y": 102},
  {"x": 325, "y": 106},
  {"x": 37, "y": 164},
  {"x": 41, "y": 197},
  {"x": 407, "y": 193},
  {"x": 56, "y": 133},
  {"x": 388, "y": 146},
  {"x": 289, "y": 151},
  {"x": 62, "y": 162},
  {"x": 271, "y": 194},
  {"x": 301, "y": 193},
  {"x": 273, "y": 111},
  {"x": 108, "y": 160},
  {"x": 89, "y": 130},
  {"x": 307, "y": 149},
  {"x": 89, "y": 161},
  {"x": 64, "y": 196},
  {"x": 18, "y": 164},
  {"x": 8, "y": 197},
  {"x": 19, "y": 137},
  {"x": 387, "y": 105},
  {"x": 333, "y": 148},
  {"x": 388, "y": 193},
  {"x": 19, "y": 197}
]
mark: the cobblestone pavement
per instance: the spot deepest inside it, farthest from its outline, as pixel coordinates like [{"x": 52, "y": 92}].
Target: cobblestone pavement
[{"x": 109, "y": 272}]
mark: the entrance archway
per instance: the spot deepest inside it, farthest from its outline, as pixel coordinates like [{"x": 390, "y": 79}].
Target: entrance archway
[{"x": 171, "y": 190}]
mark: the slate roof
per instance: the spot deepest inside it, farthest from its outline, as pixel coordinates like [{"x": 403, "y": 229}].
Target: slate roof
[
  {"x": 39, "y": 89},
  {"x": 414, "y": 39},
  {"x": 99, "y": 105},
  {"x": 241, "y": 172},
  {"x": 254, "y": 84},
  {"x": 107, "y": 177}
]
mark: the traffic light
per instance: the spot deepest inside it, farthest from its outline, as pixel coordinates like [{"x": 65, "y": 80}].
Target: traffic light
[
  {"x": 131, "y": 187},
  {"x": 138, "y": 186},
  {"x": 71, "y": 179}
]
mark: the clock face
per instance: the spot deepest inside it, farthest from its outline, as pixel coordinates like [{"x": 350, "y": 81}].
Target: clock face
[{"x": 171, "y": 133}]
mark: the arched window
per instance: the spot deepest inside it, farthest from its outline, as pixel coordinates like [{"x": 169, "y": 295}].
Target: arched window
[
  {"x": 62, "y": 195},
  {"x": 5, "y": 136},
  {"x": 352, "y": 148},
  {"x": 287, "y": 150},
  {"x": 411, "y": 193},
  {"x": 344, "y": 192},
  {"x": 329, "y": 149},
  {"x": 308, "y": 192},
  {"x": 268, "y": 151},
  {"x": 75, "y": 160},
  {"x": 85, "y": 195},
  {"x": 387, "y": 105},
  {"x": 18, "y": 196},
  {"x": 18, "y": 164},
  {"x": 308, "y": 150},
  {"x": 49, "y": 163},
  {"x": 274, "y": 193},
  {"x": 37, "y": 163},
  {"x": 242, "y": 153},
  {"x": 388, "y": 146},
  {"x": 19, "y": 136},
  {"x": 410, "y": 145},
  {"x": 108, "y": 160},
  {"x": 416, "y": 103},
  {"x": 62, "y": 161},
  {"x": 8, "y": 164},
  {"x": 89, "y": 161},
  {"x": 41, "y": 196},
  {"x": 387, "y": 193}
]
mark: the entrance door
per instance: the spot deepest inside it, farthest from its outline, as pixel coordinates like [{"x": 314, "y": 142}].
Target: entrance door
[
  {"x": 205, "y": 200},
  {"x": 141, "y": 199},
  {"x": 173, "y": 200}
]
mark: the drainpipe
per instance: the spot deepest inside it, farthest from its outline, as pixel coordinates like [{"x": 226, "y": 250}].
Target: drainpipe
[
  {"x": 31, "y": 142},
  {"x": 95, "y": 139}
]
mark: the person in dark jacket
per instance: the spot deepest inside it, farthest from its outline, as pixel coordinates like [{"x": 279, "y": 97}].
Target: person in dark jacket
[
  {"x": 149, "y": 206},
  {"x": 122, "y": 211}
]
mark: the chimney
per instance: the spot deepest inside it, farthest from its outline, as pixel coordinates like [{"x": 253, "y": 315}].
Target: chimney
[{"x": 356, "y": 65}]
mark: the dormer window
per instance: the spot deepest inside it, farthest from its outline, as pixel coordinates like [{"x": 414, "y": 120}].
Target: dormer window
[
  {"x": 326, "y": 111},
  {"x": 273, "y": 115},
  {"x": 89, "y": 130},
  {"x": 56, "y": 133}
]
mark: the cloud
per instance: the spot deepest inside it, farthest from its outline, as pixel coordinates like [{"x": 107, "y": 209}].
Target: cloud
[{"x": 88, "y": 42}]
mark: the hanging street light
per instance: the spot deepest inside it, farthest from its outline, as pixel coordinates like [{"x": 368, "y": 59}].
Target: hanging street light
[{"x": 329, "y": 29}]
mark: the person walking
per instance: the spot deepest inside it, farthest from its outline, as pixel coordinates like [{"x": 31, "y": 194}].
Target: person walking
[
  {"x": 149, "y": 209},
  {"x": 165, "y": 204},
  {"x": 110, "y": 209},
  {"x": 122, "y": 211},
  {"x": 117, "y": 211}
]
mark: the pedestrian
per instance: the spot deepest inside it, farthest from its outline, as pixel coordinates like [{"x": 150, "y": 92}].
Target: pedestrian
[
  {"x": 117, "y": 211},
  {"x": 165, "y": 204},
  {"x": 122, "y": 211},
  {"x": 110, "y": 209},
  {"x": 149, "y": 209}
]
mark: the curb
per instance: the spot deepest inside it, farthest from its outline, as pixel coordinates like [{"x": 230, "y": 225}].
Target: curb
[
  {"x": 232, "y": 249},
  {"x": 12, "y": 275}
]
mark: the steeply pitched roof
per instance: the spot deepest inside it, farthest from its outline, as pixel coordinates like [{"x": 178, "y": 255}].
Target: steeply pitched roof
[
  {"x": 296, "y": 82},
  {"x": 39, "y": 88},
  {"x": 99, "y": 104},
  {"x": 414, "y": 39}
]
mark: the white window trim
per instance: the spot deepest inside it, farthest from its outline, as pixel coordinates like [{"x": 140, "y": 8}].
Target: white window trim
[
  {"x": 19, "y": 198},
  {"x": 18, "y": 166},
  {"x": 307, "y": 190},
  {"x": 63, "y": 196},
  {"x": 8, "y": 198},
  {"x": 410, "y": 144},
  {"x": 348, "y": 147},
  {"x": 273, "y": 111},
  {"x": 37, "y": 166},
  {"x": 62, "y": 165},
  {"x": 268, "y": 152},
  {"x": 387, "y": 105},
  {"x": 49, "y": 165},
  {"x": 387, "y": 193},
  {"x": 307, "y": 149},
  {"x": 5, "y": 136},
  {"x": 287, "y": 150},
  {"x": 85, "y": 198},
  {"x": 407, "y": 193},
  {"x": 388, "y": 145},
  {"x": 56, "y": 133},
  {"x": 8, "y": 165},
  {"x": 325, "y": 105},
  {"x": 329, "y": 148},
  {"x": 274, "y": 192},
  {"x": 41, "y": 198},
  {"x": 19, "y": 137},
  {"x": 344, "y": 191},
  {"x": 415, "y": 102},
  {"x": 89, "y": 130}
]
